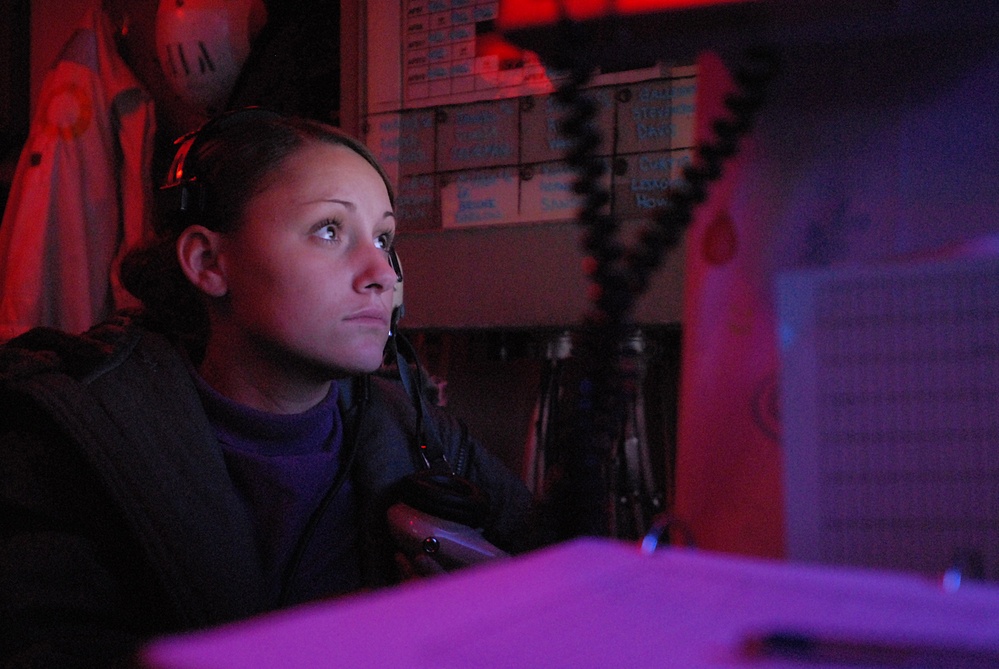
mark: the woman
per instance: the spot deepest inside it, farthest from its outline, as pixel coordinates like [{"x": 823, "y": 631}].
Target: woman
[{"x": 225, "y": 451}]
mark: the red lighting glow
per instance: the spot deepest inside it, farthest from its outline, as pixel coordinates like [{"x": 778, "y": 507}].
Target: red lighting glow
[{"x": 515, "y": 14}]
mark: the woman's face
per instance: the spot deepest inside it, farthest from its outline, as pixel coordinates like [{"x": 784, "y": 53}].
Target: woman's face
[{"x": 308, "y": 278}]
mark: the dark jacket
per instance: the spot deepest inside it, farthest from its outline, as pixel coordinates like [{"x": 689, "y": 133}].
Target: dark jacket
[{"x": 118, "y": 520}]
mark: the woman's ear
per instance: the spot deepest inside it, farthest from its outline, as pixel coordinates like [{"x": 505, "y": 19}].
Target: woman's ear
[{"x": 198, "y": 254}]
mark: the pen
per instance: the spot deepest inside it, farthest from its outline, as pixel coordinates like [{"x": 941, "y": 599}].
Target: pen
[{"x": 817, "y": 649}]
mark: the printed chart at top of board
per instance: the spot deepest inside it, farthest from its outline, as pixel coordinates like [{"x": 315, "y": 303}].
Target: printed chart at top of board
[
  {"x": 452, "y": 51},
  {"x": 451, "y": 48}
]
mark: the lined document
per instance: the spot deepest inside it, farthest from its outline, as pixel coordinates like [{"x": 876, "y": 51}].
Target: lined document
[
  {"x": 890, "y": 414},
  {"x": 599, "y": 604}
]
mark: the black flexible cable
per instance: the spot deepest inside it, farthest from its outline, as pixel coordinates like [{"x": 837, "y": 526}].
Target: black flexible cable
[
  {"x": 353, "y": 446},
  {"x": 620, "y": 276}
]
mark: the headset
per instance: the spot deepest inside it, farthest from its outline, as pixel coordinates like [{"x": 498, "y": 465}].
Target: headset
[{"x": 432, "y": 500}]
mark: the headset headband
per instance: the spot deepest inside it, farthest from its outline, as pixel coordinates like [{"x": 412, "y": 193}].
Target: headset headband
[{"x": 182, "y": 192}]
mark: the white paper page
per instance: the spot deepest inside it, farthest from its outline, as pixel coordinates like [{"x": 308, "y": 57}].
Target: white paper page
[
  {"x": 599, "y": 604},
  {"x": 890, "y": 414}
]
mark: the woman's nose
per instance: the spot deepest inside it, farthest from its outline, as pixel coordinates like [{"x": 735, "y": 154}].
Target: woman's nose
[{"x": 377, "y": 271}]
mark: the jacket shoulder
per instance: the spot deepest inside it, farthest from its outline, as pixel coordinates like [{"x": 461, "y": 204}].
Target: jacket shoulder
[{"x": 45, "y": 350}]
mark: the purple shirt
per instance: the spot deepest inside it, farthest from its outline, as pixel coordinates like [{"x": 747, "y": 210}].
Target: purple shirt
[{"x": 283, "y": 465}]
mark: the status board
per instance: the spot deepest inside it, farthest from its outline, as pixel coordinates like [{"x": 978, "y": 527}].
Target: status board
[
  {"x": 467, "y": 128},
  {"x": 498, "y": 162}
]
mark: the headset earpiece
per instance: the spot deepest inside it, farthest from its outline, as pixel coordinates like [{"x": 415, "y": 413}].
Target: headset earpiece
[{"x": 397, "y": 307}]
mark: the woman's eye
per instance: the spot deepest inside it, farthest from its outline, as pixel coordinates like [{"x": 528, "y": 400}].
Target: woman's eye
[
  {"x": 328, "y": 231},
  {"x": 384, "y": 241}
]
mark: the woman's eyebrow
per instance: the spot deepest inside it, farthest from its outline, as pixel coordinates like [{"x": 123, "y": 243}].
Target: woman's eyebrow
[
  {"x": 352, "y": 206},
  {"x": 347, "y": 203}
]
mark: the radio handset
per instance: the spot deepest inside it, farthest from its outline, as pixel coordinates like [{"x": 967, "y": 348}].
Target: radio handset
[{"x": 437, "y": 515}]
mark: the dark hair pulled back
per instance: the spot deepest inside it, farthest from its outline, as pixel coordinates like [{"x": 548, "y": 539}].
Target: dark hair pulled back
[{"x": 230, "y": 159}]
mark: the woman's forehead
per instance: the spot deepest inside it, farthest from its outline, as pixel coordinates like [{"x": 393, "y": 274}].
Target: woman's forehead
[
  {"x": 320, "y": 170},
  {"x": 329, "y": 157}
]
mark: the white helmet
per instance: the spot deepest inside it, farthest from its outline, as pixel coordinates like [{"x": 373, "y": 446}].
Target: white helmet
[{"x": 202, "y": 46}]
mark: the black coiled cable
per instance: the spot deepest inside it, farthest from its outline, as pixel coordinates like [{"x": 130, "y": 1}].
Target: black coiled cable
[{"x": 619, "y": 276}]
